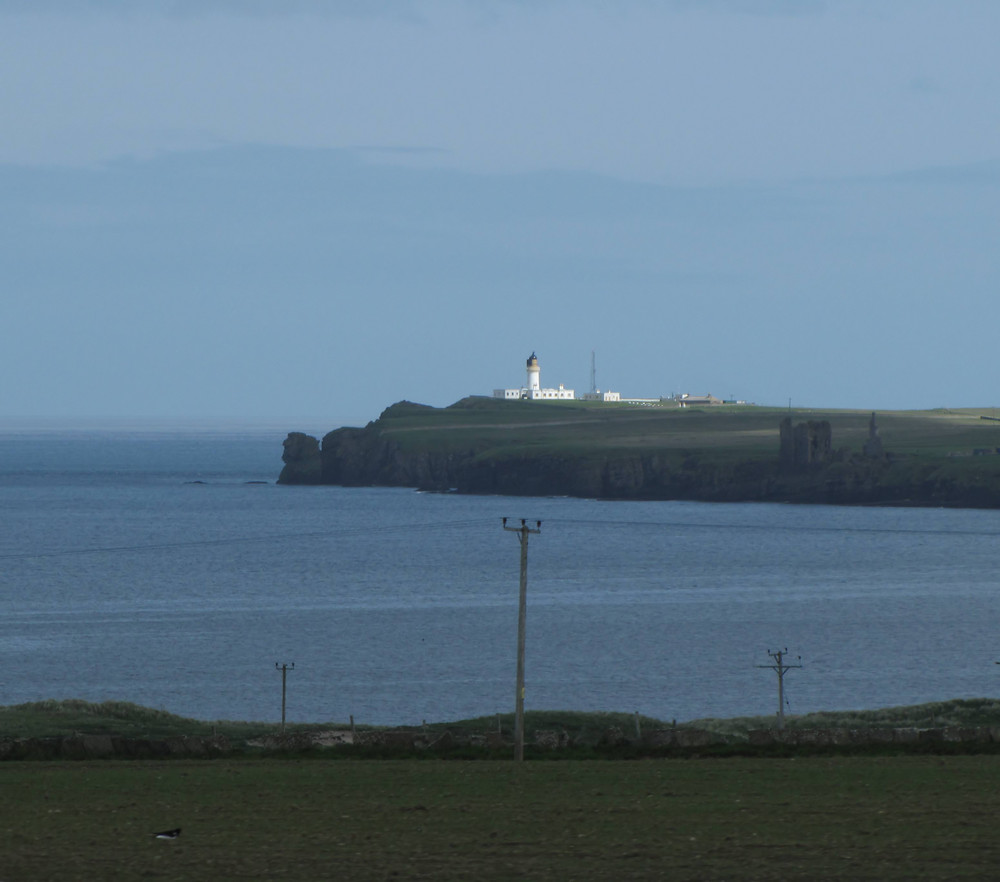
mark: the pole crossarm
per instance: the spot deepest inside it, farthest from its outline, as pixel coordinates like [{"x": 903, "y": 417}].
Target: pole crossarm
[
  {"x": 524, "y": 529},
  {"x": 523, "y": 532},
  {"x": 782, "y": 666}
]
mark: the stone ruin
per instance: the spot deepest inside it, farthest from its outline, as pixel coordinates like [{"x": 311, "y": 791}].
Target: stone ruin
[
  {"x": 873, "y": 446},
  {"x": 805, "y": 444},
  {"x": 811, "y": 443}
]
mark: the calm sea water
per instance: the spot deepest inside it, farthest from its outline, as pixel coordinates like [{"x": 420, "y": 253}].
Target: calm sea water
[{"x": 144, "y": 566}]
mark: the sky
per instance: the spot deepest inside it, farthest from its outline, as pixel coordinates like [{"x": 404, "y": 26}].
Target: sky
[{"x": 299, "y": 210}]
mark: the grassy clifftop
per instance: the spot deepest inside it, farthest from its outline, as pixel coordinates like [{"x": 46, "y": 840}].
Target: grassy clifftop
[
  {"x": 495, "y": 427},
  {"x": 738, "y": 430}
]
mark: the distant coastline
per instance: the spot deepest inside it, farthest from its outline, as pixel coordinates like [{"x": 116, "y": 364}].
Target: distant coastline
[{"x": 611, "y": 451}]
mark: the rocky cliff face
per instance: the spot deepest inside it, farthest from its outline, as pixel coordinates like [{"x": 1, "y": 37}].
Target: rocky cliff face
[
  {"x": 301, "y": 457},
  {"x": 364, "y": 457}
]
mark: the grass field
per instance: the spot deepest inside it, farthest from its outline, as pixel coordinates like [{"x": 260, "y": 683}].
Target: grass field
[
  {"x": 744, "y": 431},
  {"x": 331, "y": 815},
  {"x": 516, "y": 428},
  {"x": 806, "y": 818}
]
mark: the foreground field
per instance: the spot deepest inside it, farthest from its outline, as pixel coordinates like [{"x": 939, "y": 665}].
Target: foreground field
[{"x": 921, "y": 817}]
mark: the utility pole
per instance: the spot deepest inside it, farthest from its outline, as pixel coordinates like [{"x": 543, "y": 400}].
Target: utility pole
[
  {"x": 522, "y": 614},
  {"x": 284, "y": 675},
  {"x": 780, "y": 667}
]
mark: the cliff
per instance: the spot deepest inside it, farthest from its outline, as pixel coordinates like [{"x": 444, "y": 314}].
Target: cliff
[{"x": 728, "y": 455}]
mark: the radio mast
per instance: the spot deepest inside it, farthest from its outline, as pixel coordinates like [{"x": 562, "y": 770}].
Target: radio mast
[{"x": 593, "y": 371}]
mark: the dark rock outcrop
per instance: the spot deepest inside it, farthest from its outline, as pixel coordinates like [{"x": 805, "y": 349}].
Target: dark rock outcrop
[{"x": 301, "y": 456}]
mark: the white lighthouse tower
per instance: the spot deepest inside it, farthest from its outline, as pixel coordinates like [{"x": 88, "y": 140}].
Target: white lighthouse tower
[
  {"x": 533, "y": 391},
  {"x": 534, "y": 385}
]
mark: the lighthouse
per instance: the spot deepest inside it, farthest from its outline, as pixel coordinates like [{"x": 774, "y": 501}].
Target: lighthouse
[
  {"x": 532, "y": 390},
  {"x": 534, "y": 386}
]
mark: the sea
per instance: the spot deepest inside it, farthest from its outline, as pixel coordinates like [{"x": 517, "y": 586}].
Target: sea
[{"x": 163, "y": 565}]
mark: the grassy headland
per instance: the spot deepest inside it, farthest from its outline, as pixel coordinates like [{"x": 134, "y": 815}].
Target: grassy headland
[
  {"x": 721, "y": 453},
  {"x": 495, "y": 427}
]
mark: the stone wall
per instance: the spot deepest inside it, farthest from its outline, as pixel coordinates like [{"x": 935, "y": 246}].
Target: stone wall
[
  {"x": 825, "y": 737},
  {"x": 81, "y": 747}
]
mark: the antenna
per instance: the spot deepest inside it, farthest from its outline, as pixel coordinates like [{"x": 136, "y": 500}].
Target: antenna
[{"x": 593, "y": 371}]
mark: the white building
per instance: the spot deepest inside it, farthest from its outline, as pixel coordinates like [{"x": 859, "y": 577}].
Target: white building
[
  {"x": 601, "y": 396},
  {"x": 533, "y": 390}
]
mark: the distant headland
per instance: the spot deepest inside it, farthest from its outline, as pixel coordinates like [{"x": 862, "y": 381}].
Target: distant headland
[{"x": 703, "y": 451}]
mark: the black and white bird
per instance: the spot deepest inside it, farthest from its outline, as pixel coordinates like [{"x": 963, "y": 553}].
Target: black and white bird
[{"x": 169, "y": 834}]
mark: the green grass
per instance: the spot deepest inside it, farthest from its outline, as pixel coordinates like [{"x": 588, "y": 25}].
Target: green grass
[
  {"x": 970, "y": 712},
  {"x": 49, "y": 719},
  {"x": 586, "y": 727},
  {"x": 501, "y": 428},
  {"x": 42, "y": 719},
  {"x": 806, "y": 818},
  {"x": 927, "y": 816}
]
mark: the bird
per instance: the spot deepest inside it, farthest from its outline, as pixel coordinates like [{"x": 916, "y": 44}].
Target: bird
[{"x": 169, "y": 834}]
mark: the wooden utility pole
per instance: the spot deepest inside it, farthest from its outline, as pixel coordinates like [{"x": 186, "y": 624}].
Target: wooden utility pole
[
  {"x": 780, "y": 667},
  {"x": 522, "y": 614},
  {"x": 284, "y": 675}
]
